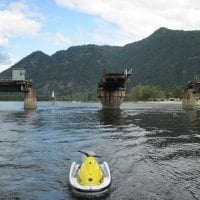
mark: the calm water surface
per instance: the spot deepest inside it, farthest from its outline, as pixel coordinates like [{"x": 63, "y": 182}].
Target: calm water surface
[{"x": 153, "y": 150}]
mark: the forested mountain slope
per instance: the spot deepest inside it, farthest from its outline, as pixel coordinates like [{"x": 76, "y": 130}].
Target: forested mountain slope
[{"x": 166, "y": 58}]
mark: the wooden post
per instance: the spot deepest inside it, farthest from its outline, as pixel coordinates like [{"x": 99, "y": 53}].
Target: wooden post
[
  {"x": 30, "y": 101},
  {"x": 189, "y": 101}
]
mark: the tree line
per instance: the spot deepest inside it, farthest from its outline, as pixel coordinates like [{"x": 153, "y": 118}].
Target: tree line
[
  {"x": 151, "y": 93},
  {"x": 139, "y": 92}
]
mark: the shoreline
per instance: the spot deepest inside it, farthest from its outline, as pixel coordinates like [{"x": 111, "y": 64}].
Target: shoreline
[{"x": 158, "y": 102}]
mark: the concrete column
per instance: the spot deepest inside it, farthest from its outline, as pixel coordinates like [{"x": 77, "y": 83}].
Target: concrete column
[
  {"x": 30, "y": 101},
  {"x": 111, "y": 99},
  {"x": 189, "y": 100}
]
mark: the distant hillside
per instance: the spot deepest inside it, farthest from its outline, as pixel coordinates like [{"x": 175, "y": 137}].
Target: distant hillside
[{"x": 165, "y": 58}]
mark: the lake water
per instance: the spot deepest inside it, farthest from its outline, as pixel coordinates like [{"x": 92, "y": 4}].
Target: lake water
[{"x": 153, "y": 149}]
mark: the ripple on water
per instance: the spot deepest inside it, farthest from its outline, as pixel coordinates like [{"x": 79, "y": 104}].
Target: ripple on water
[{"x": 152, "y": 149}]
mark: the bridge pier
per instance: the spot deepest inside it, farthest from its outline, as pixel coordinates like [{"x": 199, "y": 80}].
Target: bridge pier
[
  {"x": 30, "y": 101},
  {"x": 111, "y": 99},
  {"x": 111, "y": 89},
  {"x": 189, "y": 100}
]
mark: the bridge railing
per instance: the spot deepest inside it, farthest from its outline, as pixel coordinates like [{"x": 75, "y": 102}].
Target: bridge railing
[{"x": 5, "y": 78}]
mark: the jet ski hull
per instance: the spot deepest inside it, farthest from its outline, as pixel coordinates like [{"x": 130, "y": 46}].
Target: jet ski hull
[{"x": 103, "y": 187}]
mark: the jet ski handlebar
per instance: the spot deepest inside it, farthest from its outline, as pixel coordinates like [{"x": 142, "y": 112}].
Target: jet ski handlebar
[{"x": 90, "y": 154}]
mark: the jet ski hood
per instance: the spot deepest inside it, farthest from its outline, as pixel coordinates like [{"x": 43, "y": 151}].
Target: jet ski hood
[
  {"x": 90, "y": 172},
  {"x": 90, "y": 176}
]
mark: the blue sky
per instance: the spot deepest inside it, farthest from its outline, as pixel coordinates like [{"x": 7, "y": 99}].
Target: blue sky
[{"x": 52, "y": 25}]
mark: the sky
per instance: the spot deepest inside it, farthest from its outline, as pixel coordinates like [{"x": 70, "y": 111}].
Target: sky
[{"x": 52, "y": 25}]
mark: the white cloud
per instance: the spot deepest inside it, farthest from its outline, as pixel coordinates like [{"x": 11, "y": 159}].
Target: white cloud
[
  {"x": 4, "y": 57},
  {"x": 139, "y": 18},
  {"x": 17, "y": 19},
  {"x": 60, "y": 40},
  {"x": 3, "y": 41}
]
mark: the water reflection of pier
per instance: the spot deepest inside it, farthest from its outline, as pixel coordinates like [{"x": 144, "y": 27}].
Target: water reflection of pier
[
  {"x": 111, "y": 116},
  {"x": 191, "y": 119}
]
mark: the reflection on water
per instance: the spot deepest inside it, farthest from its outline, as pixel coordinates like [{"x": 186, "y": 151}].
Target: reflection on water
[
  {"x": 152, "y": 149},
  {"x": 111, "y": 116},
  {"x": 191, "y": 119}
]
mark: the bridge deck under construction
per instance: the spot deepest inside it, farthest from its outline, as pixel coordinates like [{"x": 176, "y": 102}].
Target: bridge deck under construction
[{"x": 7, "y": 85}]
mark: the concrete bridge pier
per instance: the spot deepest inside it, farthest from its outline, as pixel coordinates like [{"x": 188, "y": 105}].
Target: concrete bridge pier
[
  {"x": 189, "y": 100},
  {"x": 30, "y": 101},
  {"x": 111, "y": 99}
]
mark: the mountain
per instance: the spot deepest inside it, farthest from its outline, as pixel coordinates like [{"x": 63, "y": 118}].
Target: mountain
[{"x": 165, "y": 58}]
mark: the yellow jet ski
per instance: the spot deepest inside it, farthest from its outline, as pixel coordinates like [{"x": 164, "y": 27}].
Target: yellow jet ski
[{"x": 90, "y": 176}]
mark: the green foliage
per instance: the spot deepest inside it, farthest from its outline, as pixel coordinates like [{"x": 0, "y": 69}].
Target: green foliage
[
  {"x": 177, "y": 92},
  {"x": 147, "y": 92}
]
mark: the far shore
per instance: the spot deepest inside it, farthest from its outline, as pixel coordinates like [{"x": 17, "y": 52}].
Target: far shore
[
  {"x": 161, "y": 102},
  {"x": 177, "y": 101}
]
